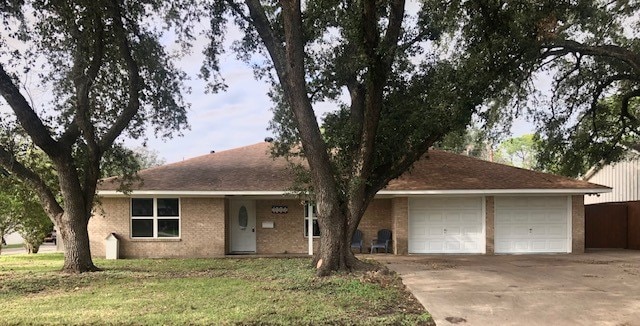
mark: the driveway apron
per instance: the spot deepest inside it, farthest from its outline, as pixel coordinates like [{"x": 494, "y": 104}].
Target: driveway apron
[{"x": 597, "y": 288}]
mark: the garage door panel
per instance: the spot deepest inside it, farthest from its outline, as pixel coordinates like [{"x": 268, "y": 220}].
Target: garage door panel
[
  {"x": 418, "y": 231},
  {"x": 435, "y": 246},
  {"x": 461, "y": 218},
  {"x": 434, "y": 217},
  {"x": 436, "y": 231},
  {"x": 453, "y": 231},
  {"x": 418, "y": 245},
  {"x": 531, "y": 224},
  {"x": 469, "y": 218},
  {"x": 453, "y": 246},
  {"x": 511, "y": 231},
  {"x": 474, "y": 231}
]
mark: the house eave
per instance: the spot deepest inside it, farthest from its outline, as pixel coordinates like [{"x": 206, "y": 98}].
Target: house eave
[
  {"x": 494, "y": 192},
  {"x": 224, "y": 193}
]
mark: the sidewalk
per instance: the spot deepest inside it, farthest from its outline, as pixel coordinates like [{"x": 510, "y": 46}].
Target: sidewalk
[{"x": 45, "y": 247}]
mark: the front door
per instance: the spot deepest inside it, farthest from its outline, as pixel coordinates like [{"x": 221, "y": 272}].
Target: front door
[{"x": 243, "y": 225}]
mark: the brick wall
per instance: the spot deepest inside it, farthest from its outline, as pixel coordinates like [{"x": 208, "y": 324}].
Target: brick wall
[
  {"x": 577, "y": 224},
  {"x": 377, "y": 217},
  {"x": 287, "y": 236},
  {"x": 400, "y": 222},
  {"x": 490, "y": 224},
  {"x": 202, "y": 230}
]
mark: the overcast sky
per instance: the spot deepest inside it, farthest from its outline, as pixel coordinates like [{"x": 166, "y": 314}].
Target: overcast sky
[{"x": 236, "y": 117}]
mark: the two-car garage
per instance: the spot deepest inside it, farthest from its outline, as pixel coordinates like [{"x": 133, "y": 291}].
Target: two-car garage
[{"x": 521, "y": 224}]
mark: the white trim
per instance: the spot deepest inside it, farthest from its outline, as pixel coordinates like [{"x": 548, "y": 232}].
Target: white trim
[
  {"x": 185, "y": 193},
  {"x": 309, "y": 208},
  {"x": 491, "y": 191}
]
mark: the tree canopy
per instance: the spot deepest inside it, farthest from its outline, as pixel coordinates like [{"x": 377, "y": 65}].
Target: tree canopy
[
  {"x": 589, "y": 51},
  {"x": 106, "y": 74},
  {"x": 401, "y": 79}
]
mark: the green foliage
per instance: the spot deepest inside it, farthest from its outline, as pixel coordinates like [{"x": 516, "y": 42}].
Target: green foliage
[
  {"x": 589, "y": 51},
  {"x": 106, "y": 75},
  {"x": 34, "y": 225},
  {"x": 519, "y": 151},
  {"x": 201, "y": 291},
  {"x": 19, "y": 207},
  {"x": 430, "y": 90},
  {"x": 472, "y": 142}
]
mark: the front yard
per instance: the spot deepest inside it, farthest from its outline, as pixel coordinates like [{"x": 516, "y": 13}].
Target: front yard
[{"x": 199, "y": 291}]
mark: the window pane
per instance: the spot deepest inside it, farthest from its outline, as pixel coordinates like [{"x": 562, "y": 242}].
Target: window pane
[
  {"x": 316, "y": 228},
  {"x": 168, "y": 207},
  {"x": 142, "y": 228},
  {"x": 142, "y": 207},
  {"x": 168, "y": 228}
]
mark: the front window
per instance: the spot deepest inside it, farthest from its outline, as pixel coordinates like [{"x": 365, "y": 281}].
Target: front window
[
  {"x": 310, "y": 212},
  {"x": 155, "y": 218}
]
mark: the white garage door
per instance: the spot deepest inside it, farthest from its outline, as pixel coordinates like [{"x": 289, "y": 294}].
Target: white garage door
[
  {"x": 446, "y": 225},
  {"x": 531, "y": 224}
]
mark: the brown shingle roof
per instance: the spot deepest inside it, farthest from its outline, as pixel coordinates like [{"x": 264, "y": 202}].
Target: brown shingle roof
[
  {"x": 251, "y": 168},
  {"x": 441, "y": 170}
]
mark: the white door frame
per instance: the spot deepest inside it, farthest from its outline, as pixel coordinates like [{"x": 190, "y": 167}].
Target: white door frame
[{"x": 243, "y": 239}]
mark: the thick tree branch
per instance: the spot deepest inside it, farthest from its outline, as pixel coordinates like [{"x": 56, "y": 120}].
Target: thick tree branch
[
  {"x": 562, "y": 47},
  {"x": 47, "y": 197},
  {"x": 394, "y": 29},
  {"x": 135, "y": 82},
  {"x": 271, "y": 40},
  {"x": 624, "y": 107},
  {"x": 27, "y": 118}
]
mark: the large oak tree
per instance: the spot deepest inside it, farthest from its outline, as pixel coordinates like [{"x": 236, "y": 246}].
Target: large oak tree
[
  {"x": 408, "y": 78},
  {"x": 589, "y": 54},
  {"x": 105, "y": 73}
]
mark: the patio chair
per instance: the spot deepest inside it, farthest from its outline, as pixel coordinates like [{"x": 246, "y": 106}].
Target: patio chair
[
  {"x": 356, "y": 241},
  {"x": 383, "y": 241}
]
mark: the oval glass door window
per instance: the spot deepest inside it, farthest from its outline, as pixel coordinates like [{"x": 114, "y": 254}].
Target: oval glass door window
[{"x": 243, "y": 217}]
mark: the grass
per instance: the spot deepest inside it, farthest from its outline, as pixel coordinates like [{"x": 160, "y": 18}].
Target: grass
[{"x": 260, "y": 291}]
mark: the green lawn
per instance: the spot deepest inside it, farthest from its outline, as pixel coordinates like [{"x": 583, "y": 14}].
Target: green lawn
[{"x": 199, "y": 291}]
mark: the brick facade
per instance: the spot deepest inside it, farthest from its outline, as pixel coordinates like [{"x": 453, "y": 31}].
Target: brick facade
[
  {"x": 202, "y": 230},
  {"x": 577, "y": 224},
  {"x": 489, "y": 223},
  {"x": 400, "y": 222},
  {"x": 287, "y": 235}
]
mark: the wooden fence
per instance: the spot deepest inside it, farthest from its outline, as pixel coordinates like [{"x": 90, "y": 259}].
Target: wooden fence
[{"x": 612, "y": 225}]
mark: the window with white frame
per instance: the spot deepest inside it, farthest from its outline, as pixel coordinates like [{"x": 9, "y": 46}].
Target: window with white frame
[
  {"x": 310, "y": 212},
  {"x": 155, "y": 217}
]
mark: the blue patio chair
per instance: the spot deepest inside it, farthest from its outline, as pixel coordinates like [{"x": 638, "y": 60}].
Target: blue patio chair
[
  {"x": 356, "y": 241},
  {"x": 383, "y": 241}
]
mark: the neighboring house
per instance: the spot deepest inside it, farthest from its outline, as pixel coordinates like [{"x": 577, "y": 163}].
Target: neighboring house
[
  {"x": 622, "y": 176},
  {"x": 237, "y": 201}
]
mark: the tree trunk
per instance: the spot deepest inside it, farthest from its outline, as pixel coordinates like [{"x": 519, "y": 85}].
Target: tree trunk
[
  {"x": 75, "y": 238},
  {"x": 335, "y": 253}
]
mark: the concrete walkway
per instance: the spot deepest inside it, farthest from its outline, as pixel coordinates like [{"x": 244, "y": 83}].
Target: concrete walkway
[
  {"x": 598, "y": 288},
  {"x": 45, "y": 247}
]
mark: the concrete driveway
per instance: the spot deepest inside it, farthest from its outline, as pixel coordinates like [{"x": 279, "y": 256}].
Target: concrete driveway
[{"x": 596, "y": 288}]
